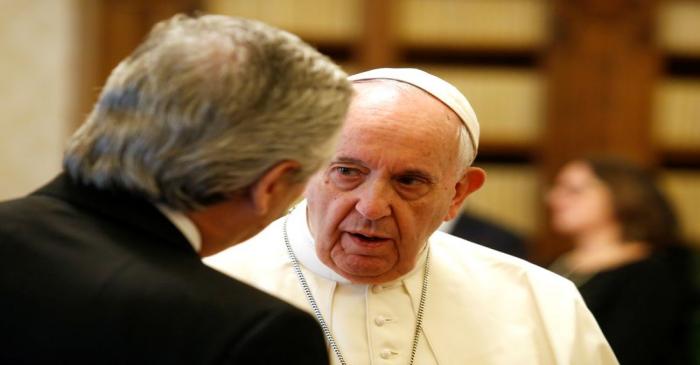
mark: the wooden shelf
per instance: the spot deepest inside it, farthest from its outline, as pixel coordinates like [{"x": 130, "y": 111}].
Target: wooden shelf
[
  {"x": 682, "y": 66},
  {"x": 688, "y": 158},
  {"x": 525, "y": 58},
  {"x": 505, "y": 153},
  {"x": 549, "y": 80}
]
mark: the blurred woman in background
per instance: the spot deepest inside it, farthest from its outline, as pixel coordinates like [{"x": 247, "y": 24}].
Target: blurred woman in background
[{"x": 626, "y": 261}]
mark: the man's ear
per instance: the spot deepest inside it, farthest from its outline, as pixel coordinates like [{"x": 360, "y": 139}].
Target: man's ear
[
  {"x": 272, "y": 185},
  {"x": 470, "y": 182}
]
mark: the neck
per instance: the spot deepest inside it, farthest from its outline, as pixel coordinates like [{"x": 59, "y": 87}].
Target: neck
[
  {"x": 601, "y": 238},
  {"x": 225, "y": 224},
  {"x": 605, "y": 249}
]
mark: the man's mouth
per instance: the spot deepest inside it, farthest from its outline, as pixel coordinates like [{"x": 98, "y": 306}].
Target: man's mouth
[{"x": 366, "y": 238}]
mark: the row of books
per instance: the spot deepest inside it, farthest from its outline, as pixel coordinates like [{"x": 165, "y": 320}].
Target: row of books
[
  {"x": 477, "y": 23},
  {"x": 678, "y": 26},
  {"x": 491, "y": 24},
  {"x": 514, "y": 196},
  {"x": 508, "y": 102},
  {"x": 677, "y": 114},
  {"x": 511, "y": 196},
  {"x": 683, "y": 189},
  {"x": 333, "y": 21}
]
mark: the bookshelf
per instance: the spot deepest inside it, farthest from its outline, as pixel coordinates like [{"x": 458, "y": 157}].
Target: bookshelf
[
  {"x": 676, "y": 118},
  {"x": 549, "y": 79},
  {"x": 483, "y": 25},
  {"x": 324, "y": 23},
  {"x": 515, "y": 128}
]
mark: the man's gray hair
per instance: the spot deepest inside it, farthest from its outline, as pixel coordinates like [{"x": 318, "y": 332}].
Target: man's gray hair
[{"x": 204, "y": 107}]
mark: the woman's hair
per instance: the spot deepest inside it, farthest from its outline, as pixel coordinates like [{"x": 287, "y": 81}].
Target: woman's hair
[{"x": 639, "y": 205}]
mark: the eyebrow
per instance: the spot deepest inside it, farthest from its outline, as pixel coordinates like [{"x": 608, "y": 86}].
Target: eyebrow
[{"x": 348, "y": 160}]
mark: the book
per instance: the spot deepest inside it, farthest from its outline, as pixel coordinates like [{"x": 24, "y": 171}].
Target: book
[
  {"x": 508, "y": 102},
  {"x": 682, "y": 187},
  {"x": 676, "y": 123},
  {"x": 316, "y": 21},
  {"x": 678, "y": 26},
  {"x": 473, "y": 24},
  {"x": 510, "y": 196}
]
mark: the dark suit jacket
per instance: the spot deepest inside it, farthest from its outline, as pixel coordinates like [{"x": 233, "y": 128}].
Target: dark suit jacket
[
  {"x": 644, "y": 308},
  {"x": 94, "y": 277},
  {"x": 488, "y": 234}
]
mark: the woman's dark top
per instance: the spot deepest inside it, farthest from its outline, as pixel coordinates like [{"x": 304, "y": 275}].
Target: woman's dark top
[{"x": 644, "y": 308}]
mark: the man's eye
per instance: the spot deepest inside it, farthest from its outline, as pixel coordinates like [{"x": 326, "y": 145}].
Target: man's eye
[
  {"x": 345, "y": 178},
  {"x": 409, "y": 180},
  {"x": 347, "y": 171},
  {"x": 412, "y": 187}
]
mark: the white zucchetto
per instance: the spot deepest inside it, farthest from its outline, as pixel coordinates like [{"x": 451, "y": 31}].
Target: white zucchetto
[{"x": 435, "y": 86}]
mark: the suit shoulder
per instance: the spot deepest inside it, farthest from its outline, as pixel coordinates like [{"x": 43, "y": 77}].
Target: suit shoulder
[
  {"x": 255, "y": 327},
  {"x": 288, "y": 336}
]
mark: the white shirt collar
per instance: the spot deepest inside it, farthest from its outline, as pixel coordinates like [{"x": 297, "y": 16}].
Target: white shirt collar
[
  {"x": 184, "y": 225},
  {"x": 303, "y": 244}
]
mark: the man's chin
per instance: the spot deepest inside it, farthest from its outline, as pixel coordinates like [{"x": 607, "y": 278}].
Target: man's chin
[{"x": 371, "y": 277}]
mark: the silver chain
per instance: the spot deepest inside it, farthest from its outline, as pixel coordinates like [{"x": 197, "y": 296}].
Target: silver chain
[{"x": 317, "y": 312}]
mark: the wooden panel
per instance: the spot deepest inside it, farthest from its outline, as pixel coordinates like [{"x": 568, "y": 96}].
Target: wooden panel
[
  {"x": 601, "y": 67},
  {"x": 683, "y": 188},
  {"x": 38, "y": 46},
  {"x": 508, "y": 102},
  {"x": 86, "y": 79},
  {"x": 125, "y": 23},
  {"x": 319, "y": 21},
  {"x": 351, "y": 67},
  {"x": 510, "y": 196},
  {"x": 677, "y": 115},
  {"x": 378, "y": 47},
  {"x": 678, "y": 25},
  {"x": 487, "y": 24}
]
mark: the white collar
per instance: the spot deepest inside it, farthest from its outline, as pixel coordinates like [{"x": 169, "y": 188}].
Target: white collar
[
  {"x": 303, "y": 245},
  {"x": 184, "y": 225}
]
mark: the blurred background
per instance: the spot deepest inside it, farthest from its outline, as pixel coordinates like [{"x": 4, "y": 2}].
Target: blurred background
[{"x": 550, "y": 80}]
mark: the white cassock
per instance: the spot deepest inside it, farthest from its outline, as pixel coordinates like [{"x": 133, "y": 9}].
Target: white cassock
[{"x": 482, "y": 306}]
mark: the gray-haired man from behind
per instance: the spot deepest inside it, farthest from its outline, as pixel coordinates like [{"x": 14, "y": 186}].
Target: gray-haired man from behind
[
  {"x": 362, "y": 252},
  {"x": 200, "y": 138}
]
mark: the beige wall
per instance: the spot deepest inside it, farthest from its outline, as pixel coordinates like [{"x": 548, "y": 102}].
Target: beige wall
[{"x": 36, "y": 90}]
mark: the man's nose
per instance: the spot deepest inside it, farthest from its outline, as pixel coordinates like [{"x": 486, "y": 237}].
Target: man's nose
[{"x": 374, "y": 200}]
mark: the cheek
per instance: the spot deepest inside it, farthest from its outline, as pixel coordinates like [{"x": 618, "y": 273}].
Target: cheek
[
  {"x": 327, "y": 209},
  {"x": 579, "y": 214},
  {"x": 575, "y": 211},
  {"x": 416, "y": 223},
  {"x": 601, "y": 210}
]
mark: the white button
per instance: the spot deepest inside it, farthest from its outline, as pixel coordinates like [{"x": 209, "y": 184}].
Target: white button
[
  {"x": 377, "y": 289},
  {"x": 379, "y": 320},
  {"x": 386, "y": 354}
]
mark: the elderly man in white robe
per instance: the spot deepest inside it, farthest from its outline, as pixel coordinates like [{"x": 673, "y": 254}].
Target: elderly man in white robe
[{"x": 364, "y": 256}]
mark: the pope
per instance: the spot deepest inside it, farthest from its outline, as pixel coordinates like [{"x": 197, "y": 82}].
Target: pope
[{"x": 363, "y": 254}]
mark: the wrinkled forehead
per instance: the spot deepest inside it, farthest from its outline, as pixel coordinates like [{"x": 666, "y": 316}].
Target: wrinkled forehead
[
  {"x": 397, "y": 122},
  {"x": 440, "y": 89},
  {"x": 404, "y": 104}
]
